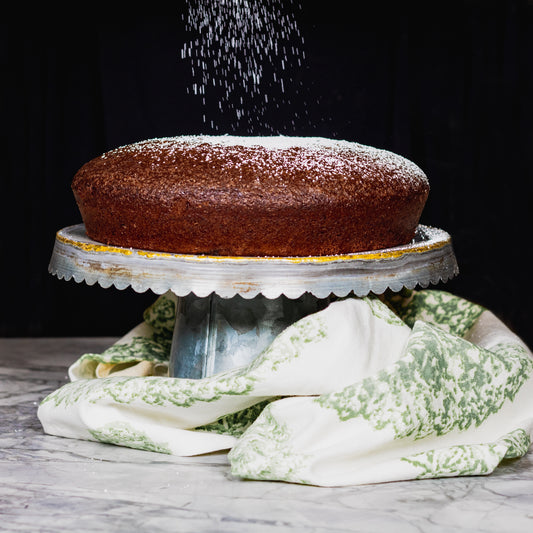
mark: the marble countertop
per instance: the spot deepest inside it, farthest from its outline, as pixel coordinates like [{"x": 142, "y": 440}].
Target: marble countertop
[{"x": 51, "y": 484}]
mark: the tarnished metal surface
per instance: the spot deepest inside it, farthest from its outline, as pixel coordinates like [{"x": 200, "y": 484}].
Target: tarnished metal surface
[
  {"x": 429, "y": 259},
  {"x": 215, "y": 334}
]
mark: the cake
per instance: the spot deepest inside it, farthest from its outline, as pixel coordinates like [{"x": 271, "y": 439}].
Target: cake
[{"x": 250, "y": 196}]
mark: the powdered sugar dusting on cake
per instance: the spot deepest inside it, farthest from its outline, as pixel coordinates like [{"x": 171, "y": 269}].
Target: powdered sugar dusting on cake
[{"x": 320, "y": 157}]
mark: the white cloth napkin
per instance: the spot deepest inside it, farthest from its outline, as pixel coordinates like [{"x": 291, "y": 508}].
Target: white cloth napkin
[{"x": 413, "y": 385}]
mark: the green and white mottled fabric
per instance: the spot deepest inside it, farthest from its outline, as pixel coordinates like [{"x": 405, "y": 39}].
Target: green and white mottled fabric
[
  {"x": 412, "y": 385},
  {"x": 144, "y": 350}
]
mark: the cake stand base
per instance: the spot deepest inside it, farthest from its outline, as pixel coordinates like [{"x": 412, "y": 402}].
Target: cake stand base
[{"x": 214, "y": 334}]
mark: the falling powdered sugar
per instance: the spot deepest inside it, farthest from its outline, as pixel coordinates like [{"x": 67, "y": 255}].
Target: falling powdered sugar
[{"x": 244, "y": 55}]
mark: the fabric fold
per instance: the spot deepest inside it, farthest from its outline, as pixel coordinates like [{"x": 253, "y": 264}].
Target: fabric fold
[
  {"x": 143, "y": 351},
  {"x": 442, "y": 396}
]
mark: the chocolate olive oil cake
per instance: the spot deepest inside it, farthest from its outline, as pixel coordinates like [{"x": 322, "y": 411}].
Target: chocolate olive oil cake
[{"x": 251, "y": 196}]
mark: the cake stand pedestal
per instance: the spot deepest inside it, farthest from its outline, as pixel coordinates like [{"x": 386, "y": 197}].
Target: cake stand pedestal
[{"x": 230, "y": 308}]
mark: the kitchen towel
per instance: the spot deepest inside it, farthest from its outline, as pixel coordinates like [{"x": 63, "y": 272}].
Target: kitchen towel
[{"x": 411, "y": 385}]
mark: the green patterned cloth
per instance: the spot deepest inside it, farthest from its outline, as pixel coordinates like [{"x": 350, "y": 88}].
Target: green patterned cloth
[{"x": 411, "y": 385}]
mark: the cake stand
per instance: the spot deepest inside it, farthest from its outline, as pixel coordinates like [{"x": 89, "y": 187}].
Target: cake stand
[{"x": 230, "y": 308}]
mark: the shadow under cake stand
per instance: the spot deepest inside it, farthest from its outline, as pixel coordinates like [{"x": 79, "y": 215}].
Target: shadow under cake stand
[{"x": 229, "y": 309}]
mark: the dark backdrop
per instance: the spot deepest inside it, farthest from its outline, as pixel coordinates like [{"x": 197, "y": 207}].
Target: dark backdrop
[{"x": 449, "y": 88}]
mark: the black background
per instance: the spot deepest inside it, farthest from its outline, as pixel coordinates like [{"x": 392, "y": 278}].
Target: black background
[{"x": 448, "y": 85}]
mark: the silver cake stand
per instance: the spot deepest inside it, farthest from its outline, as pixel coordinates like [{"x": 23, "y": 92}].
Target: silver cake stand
[{"x": 230, "y": 308}]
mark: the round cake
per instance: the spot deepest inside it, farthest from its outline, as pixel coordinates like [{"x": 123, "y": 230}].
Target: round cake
[{"x": 251, "y": 196}]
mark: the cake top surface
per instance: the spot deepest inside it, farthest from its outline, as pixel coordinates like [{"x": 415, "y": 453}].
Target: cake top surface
[
  {"x": 298, "y": 155},
  {"x": 231, "y": 168}
]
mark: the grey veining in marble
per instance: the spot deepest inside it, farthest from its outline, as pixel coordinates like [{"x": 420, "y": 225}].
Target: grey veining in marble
[{"x": 50, "y": 484}]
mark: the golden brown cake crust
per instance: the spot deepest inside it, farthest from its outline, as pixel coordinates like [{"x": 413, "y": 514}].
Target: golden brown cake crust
[{"x": 250, "y": 196}]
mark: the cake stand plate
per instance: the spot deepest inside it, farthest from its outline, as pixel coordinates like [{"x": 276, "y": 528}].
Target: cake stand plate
[
  {"x": 229, "y": 309},
  {"x": 428, "y": 259}
]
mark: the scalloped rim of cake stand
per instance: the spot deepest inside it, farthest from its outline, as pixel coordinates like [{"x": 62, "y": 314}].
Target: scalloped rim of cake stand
[{"x": 428, "y": 259}]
